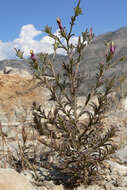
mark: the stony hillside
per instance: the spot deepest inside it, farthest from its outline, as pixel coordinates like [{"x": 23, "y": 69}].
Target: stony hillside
[{"x": 17, "y": 94}]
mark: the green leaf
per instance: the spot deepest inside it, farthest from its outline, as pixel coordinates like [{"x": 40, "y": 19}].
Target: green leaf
[
  {"x": 123, "y": 58},
  {"x": 63, "y": 33},
  {"x": 77, "y": 9},
  {"x": 72, "y": 19},
  {"x": 48, "y": 29},
  {"x": 19, "y": 53},
  {"x": 56, "y": 45}
]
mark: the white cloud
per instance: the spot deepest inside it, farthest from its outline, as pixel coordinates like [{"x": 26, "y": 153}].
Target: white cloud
[
  {"x": 27, "y": 41},
  {"x": 74, "y": 40},
  {"x": 28, "y": 32},
  {"x": 5, "y": 50}
]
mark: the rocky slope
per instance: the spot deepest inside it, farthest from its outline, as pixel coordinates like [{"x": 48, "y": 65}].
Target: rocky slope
[{"x": 17, "y": 94}]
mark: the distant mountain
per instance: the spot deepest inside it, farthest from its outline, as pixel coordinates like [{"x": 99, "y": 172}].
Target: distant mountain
[
  {"x": 23, "y": 65},
  {"x": 15, "y": 64},
  {"x": 92, "y": 55}
]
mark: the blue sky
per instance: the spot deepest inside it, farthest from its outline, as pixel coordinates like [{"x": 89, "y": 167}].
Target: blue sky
[{"x": 29, "y": 17}]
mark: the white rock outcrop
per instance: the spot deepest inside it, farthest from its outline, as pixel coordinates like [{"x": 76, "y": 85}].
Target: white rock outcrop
[{"x": 11, "y": 180}]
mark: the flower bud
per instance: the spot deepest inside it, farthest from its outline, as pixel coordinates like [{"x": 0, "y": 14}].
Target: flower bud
[
  {"x": 91, "y": 32},
  {"x": 34, "y": 59},
  {"x": 31, "y": 51},
  {"x": 91, "y": 35},
  {"x": 59, "y": 23},
  {"x": 112, "y": 48}
]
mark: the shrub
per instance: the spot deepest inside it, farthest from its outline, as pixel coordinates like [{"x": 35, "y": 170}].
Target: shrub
[{"x": 81, "y": 146}]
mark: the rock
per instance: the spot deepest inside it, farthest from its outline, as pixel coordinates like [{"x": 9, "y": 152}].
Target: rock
[
  {"x": 91, "y": 187},
  {"x": 96, "y": 187},
  {"x": 19, "y": 71},
  {"x": 11, "y": 180},
  {"x": 58, "y": 187},
  {"x": 5, "y": 130},
  {"x": 49, "y": 185},
  {"x": 124, "y": 104},
  {"x": 16, "y": 97},
  {"x": 42, "y": 188},
  {"x": 122, "y": 154},
  {"x": 29, "y": 175},
  {"x": 117, "y": 169},
  {"x": 124, "y": 182},
  {"x": 120, "y": 188}
]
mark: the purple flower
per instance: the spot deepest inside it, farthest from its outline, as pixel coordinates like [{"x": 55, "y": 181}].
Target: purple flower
[
  {"x": 112, "y": 48},
  {"x": 33, "y": 57}
]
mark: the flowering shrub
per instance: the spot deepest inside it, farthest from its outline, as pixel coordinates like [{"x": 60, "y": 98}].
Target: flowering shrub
[{"x": 81, "y": 146}]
